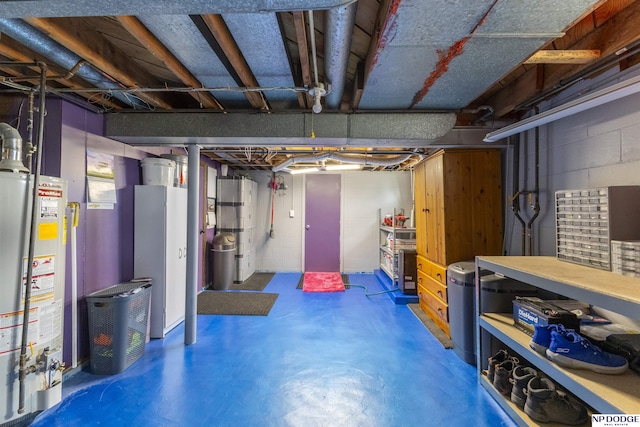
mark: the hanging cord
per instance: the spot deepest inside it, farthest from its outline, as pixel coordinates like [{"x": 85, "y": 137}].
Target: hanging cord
[
  {"x": 273, "y": 193},
  {"x": 366, "y": 291}
]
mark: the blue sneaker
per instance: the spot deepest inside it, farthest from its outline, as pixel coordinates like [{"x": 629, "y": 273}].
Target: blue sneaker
[
  {"x": 573, "y": 351},
  {"x": 542, "y": 336}
]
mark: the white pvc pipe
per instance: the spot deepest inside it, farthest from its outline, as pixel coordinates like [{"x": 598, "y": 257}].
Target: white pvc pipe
[{"x": 74, "y": 291}]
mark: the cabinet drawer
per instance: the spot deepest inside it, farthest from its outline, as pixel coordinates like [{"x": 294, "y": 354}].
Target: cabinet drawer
[
  {"x": 433, "y": 286},
  {"x": 437, "y": 305},
  {"x": 423, "y": 264},
  {"x": 438, "y": 315},
  {"x": 432, "y": 269}
]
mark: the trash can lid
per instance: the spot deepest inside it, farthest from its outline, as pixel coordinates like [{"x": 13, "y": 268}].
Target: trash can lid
[{"x": 222, "y": 241}]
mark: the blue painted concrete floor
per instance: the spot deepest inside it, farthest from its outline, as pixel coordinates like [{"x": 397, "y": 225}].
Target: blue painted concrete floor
[{"x": 332, "y": 359}]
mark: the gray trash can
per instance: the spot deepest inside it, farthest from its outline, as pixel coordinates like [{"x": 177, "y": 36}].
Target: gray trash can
[
  {"x": 224, "y": 252},
  {"x": 497, "y": 294},
  {"x": 462, "y": 311}
]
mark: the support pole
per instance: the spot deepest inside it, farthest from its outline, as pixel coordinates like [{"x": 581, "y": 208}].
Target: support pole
[{"x": 190, "y": 318}]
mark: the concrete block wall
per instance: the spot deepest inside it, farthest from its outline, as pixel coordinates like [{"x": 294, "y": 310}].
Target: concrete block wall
[{"x": 596, "y": 148}]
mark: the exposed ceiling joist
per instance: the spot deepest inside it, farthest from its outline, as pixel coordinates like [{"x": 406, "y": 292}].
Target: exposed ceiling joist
[
  {"x": 148, "y": 40},
  {"x": 581, "y": 56},
  {"x": 14, "y": 54},
  {"x": 84, "y": 42},
  {"x": 303, "y": 52},
  {"x": 223, "y": 36},
  {"x": 613, "y": 35},
  {"x": 253, "y": 55}
]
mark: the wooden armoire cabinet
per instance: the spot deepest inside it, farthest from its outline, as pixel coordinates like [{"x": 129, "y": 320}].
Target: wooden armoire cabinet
[{"x": 458, "y": 215}]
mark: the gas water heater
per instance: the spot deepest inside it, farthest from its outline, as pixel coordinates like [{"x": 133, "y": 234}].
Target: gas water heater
[{"x": 35, "y": 383}]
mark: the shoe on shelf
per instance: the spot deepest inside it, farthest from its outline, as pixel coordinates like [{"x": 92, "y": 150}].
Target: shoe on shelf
[
  {"x": 542, "y": 336},
  {"x": 502, "y": 376},
  {"x": 546, "y": 404},
  {"x": 519, "y": 379},
  {"x": 495, "y": 360},
  {"x": 571, "y": 350}
]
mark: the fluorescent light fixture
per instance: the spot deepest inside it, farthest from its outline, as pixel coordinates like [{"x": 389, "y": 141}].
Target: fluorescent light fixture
[
  {"x": 595, "y": 99},
  {"x": 303, "y": 170},
  {"x": 343, "y": 167}
]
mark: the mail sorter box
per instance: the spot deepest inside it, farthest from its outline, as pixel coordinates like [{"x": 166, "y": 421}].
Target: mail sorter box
[{"x": 531, "y": 311}]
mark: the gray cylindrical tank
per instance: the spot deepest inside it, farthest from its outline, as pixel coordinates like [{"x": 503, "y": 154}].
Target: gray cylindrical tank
[{"x": 224, "y": 251}]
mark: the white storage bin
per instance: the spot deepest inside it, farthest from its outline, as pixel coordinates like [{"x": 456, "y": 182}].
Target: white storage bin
[{"x": 158, "y": 171}]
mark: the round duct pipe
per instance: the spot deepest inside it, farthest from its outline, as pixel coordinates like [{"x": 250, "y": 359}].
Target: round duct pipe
[
  {"x": 360, "y": 159},
  {"x": 299, "y": 159},
  {"x": 36, "y": 40},
  {"x": 337, "y": 36},
  {"x": 11, "y": 159}
]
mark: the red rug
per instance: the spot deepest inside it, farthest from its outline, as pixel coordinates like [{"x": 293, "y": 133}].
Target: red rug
[{"x": 322, "y": 282}]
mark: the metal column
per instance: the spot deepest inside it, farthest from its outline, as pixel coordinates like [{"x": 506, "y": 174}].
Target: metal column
[{"x": 190, "y": 318}]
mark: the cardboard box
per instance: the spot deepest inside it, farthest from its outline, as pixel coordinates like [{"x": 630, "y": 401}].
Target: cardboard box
[{"x": 531, "y": 311}]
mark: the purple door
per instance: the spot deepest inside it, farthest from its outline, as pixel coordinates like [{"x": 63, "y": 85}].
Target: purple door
[{"x": 322, "y": 212}]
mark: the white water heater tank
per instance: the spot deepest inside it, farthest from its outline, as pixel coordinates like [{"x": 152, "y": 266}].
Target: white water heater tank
[{"x": 42, "y": 383}]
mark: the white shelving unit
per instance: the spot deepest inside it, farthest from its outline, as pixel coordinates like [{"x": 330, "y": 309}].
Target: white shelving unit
[
  {"x": 391, "y": 253},
  {"x": 621, "y": 294}
]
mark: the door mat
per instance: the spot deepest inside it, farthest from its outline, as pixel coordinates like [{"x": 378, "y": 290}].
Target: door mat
[
  {"x": 240, "y": 303},
  {"x": 431, "y": 326},
  {"x": 345, "y": 280},
  {"x": 322, "y": 282},
  {"x": 257, "y": 282}
]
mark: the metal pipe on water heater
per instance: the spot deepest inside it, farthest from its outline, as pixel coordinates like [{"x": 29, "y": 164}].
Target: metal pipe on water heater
[{"x": 34, "y": 209}]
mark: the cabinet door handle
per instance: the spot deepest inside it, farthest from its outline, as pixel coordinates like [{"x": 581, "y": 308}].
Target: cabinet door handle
[
  {"x": 440, "y": 295},
  {"x": 439, "y": 276}
]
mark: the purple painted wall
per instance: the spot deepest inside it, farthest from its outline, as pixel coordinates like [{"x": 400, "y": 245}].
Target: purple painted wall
[{"x": 104, "y": 237}]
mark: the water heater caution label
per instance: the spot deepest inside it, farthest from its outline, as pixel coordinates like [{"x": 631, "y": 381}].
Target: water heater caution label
[{"x": 42, "y": 275}]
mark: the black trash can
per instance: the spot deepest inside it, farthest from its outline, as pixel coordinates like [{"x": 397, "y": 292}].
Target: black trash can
[
  {"x": 223, "y": 250},
  {"x": 118, "y": 319}
]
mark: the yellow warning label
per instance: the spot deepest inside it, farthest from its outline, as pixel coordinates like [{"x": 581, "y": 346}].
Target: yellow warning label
[
  {"x": 48, "y": 231},
  {"x": 64, "y": 230}
]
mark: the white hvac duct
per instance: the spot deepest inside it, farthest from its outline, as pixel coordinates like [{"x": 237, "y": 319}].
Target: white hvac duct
[
  {"x": 11, "y": 159},
  {"x": 300, "y": 159},
  {"x": 363, "y": 159}
]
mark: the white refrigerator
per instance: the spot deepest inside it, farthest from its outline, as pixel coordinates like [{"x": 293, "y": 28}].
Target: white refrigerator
[{"x": 160, "y": 252}]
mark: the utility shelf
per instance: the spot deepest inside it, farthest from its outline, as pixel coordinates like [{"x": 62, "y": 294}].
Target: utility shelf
[
  {"x": 620, "y": 294},
  {"x": 514, "y": 411},
  {"x": 388, "y": 255},
  {"x": 608, "y": 393}
]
